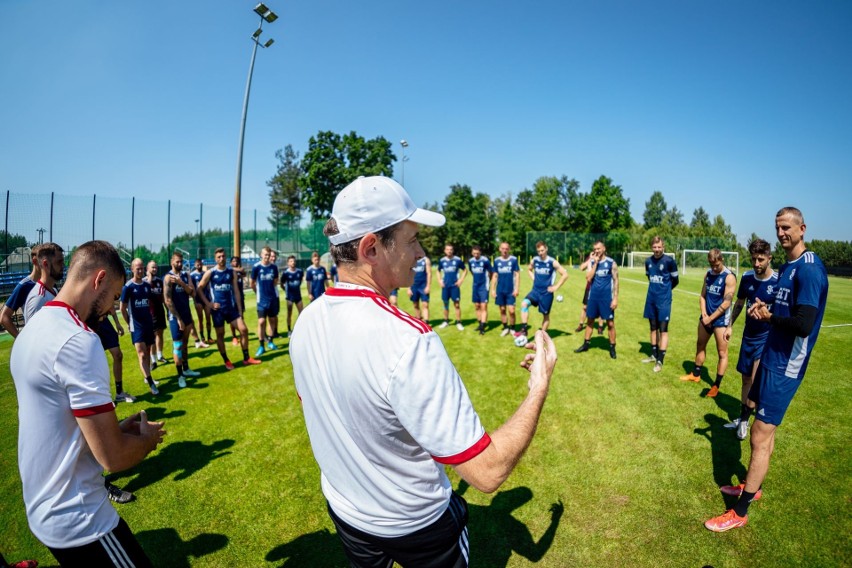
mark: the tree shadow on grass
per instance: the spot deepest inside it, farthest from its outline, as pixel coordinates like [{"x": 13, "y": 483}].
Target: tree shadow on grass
[
  {"x": 320, "y": 549},
  {"x": 166, "y": 548},
  {"x": 495, "y": 534},
  {"x": 726, "y": 451},
  {"x": 185, "y": 458}
]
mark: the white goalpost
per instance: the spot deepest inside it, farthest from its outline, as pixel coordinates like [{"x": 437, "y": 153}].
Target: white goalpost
[
  {"x": 637, "y": 258},
  {"x": 731, "y": 259}
]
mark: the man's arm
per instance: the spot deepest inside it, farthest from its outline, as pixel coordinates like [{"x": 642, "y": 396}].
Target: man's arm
[
  {"x": 169, "y": 301},
  {"x": 563, "y": 276},
  {"x": 614, "y": 304},
  {"x": 124, "y": 313},
  {"x": 727, "y": 299},
  {"x": 516, "y": 281},
  {"x": 119, "y": 446},
  {"x": 488, "y": 470},
  {"x": 428, "y": 275},
  {"x": 6, "y": 321},
  {"x": 235, "y": 291},
  {"x": 201, "y": 291}
]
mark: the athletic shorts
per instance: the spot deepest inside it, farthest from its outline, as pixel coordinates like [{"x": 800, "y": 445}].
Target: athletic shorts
[
  {"x": 225, "y": 314},
  {"x": 108, "y": 335},
  {"x": 268, "y": 310},
  {"x": 142, "y": 335},
  {"x": 444, "y": 543},
  {"x": 450, "y": 293},
  {"x": 772, "y": 392},
  {"x": 599, "y": 307},
  {"x": 750, "y": 351},
  {"x": 394, "y": 292},
  {"x": 116, "y": 548},
  {"x": 542, "y": 299},
  {"x": 158, "y": 314},
  {"x": 480, "y": 295},
  {"x": 504, "y": 299},
  {"x": 174, "y": 328},
  {"x": 657, "y": 312},
  {"x": 293, "y": 295},
  {"x": 419, "y": 296}
]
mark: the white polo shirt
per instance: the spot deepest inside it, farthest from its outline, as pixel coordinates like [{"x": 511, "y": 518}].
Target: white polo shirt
[
  {"x": 384, "y": 408},
  {"x": 36, "y": 299},
  {"x": 60, "y": 372}
]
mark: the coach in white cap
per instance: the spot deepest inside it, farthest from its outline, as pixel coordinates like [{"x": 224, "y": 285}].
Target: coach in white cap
[{"x": 384, "y": 407}]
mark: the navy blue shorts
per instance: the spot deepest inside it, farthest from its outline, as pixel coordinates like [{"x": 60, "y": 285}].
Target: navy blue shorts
[
  {"x": 142, "y": 335},
  {"x": 450, "y": 293},
  {"x": 419, "y": 295},
  {"x": 225, "y": 314},
  {"x": 657, "y": 312},
  {"x": 772, "y": 392},
  {"x": 293, "y": 295},
  {"x": 504, "y": 299},
  {"x": 108, "y": 335},
  {"x": 599, "y": 307},
  {"x": 542, "y": 299},
  {"x": 174, "y": 328},
  {"x": 268, "y": 309},
  {"x": 750, "y": 351},
  {"x": 480, "y": 295}
]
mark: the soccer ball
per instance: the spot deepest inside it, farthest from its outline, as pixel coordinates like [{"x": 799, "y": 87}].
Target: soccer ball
[
  {"x": 559, "y": 298},
  {"x": 521, "y": 341}
]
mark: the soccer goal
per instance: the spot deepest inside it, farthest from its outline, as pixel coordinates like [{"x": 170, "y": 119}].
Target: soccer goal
[
  {"x": 697, "y": 259},
  {"x": 636, "y": 259}
]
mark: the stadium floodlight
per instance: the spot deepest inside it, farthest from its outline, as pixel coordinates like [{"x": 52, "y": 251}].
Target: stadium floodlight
[
  {"x": 268, "y": 16},
  {"x": 404, "y": 145}
]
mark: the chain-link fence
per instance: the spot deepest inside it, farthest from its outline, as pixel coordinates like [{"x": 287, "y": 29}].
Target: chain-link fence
[{"x": 144, "y": 228}]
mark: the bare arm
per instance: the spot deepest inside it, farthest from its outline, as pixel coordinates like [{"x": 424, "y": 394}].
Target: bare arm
[
  {"x": 488, "y": 470},
  {"x": 614, "y": 303},
  {"x": 428, "y": 275},
  {"x": 124, "y": 313},
  {"x": 730, "y": 285},
  {"x": 119, "y": 446},
  {"x": 235, "y": 289},
  {"x": 202, "y": 292},
  {"x": 563, "y": 276},
  {"x": 6, "y": 321}
]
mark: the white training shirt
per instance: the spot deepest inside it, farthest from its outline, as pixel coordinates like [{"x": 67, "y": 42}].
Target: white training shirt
[
  {"x": 60, "y": 372},
  {"x": 38, "y": 297},
  {"x": 384, "y": 409}
]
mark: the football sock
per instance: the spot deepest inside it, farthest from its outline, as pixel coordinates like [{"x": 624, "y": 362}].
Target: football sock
[
  {"x": 245, "y": 354},
  {"x": 745, "y": 413},
  {"x": 696, "y": 372},
  {"x": 655, "y": 352},
  {"x": 661, "y": 355},
  {"x": 741, "y": 508},
  {"x": 119, "y": 387},
  {"x": 718, "y": 381}
]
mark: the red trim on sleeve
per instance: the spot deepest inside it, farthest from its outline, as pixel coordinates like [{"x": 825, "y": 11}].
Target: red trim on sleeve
[
  {"x": 468, "y": 454},
  {"x": 93, "y": 410}
]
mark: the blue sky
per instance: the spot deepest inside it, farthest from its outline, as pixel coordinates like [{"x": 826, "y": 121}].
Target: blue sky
[{"x": 739, "y": 107}]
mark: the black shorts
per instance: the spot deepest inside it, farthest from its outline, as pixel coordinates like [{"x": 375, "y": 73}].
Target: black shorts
[
  {"x": 443, "y": 544},
  {"x": 117, "y": 548},
  {"x": 108, "y": 335}
]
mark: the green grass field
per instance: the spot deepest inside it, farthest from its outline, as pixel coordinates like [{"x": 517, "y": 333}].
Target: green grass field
[{"x": 634, "y": 457}]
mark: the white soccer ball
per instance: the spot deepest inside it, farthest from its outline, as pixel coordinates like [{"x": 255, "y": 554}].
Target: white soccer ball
[
  {"x": 559, "y": 298},
  {"x": 521, "y": 341}
]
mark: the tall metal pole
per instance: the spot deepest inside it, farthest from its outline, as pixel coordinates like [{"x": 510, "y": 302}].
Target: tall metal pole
[
  {"x": 237, "y": 196},
  {"x": 94, "y": 203}
]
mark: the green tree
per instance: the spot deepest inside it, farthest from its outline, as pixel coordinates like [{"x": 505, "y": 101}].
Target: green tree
[
  {"x": 333, "y": 161},
  {"x": 543, "y": 208},
  {"x": 285, "y": 196},
  {"x": 432, "y": 239},
  {"x": 471, "y": 220},
  {"x": 700, "y": 224},
  {"x": 606, "y": 207},
  {"x": 509, "y": 224},
  {"x": 655, "y": 210},
  {"x": 10, "y": 241},
  {"x": 673, "y": 224}
]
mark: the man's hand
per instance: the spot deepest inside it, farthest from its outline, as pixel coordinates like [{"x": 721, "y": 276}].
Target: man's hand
[
  {"x": 153, "y": 431},
  {"x": 120, "y": 329},
  {"x": 541, "y": 363},
  {"x": 759, "y": 310}
]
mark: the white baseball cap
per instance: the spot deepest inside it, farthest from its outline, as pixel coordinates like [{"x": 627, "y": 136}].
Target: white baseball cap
[{"x": 370, "y": 204}]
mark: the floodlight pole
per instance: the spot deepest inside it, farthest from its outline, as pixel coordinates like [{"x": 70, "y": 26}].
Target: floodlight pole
[
  {"x": 269, "y": 16},
  {"x": 404, "y": 145}
]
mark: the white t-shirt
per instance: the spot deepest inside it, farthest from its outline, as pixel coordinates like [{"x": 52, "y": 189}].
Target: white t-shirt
[
  {"x": 38, "y": 297},
  {"x": 384, "y": 408},
  {"x": 60, "y": 372}
]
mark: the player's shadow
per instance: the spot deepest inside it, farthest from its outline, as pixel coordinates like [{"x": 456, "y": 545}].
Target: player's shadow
[
  {"x": 726, "y": 452},
  {"x": 495, "y": 534},
  {"x": 553, "y": 333},
  {"x": 688, "y": 366},
  {"x": 165, "y": 547},
  {"x": 183, "y": 458},
  {"x": 645, "y": 348},
  {"x": 158, "y": 413},
  {"x": 320, "y": 549}
]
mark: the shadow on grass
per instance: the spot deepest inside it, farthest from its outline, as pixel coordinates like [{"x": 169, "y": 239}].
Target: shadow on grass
[
  {"x": 166, "y": 548},
  {"x": 320, "y": 549},
  {"x": 183, "y": 458},
  {"x": 726, "y": 451},
  {"x": 495, "y": 534}
]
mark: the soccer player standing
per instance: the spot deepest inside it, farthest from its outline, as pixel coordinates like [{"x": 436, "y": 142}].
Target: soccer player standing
[
  {"x": 449, "y": 267},
  {"x": 418, "y": 292},
  {"x": 316, "y": 277},
  {"x": 177, "y": 290},
  {"x": 68, "y": 431},
  {"x": 291, "y": 281},
  {"x": 715, "y": 301},
  {"x": 136, "y": 311},
  {"x": 19, "y": 294},
  {"x": 505, "y": 286},
  {"x": 481, "y": 271},
  {"x": 761, "y": 282},
  {"x": 158, "y": 311},
  {"x": 264, "y": 282},
  {"x": 201, "y": 309},
  {"x": 794, "y": 324},
  {"x": 661, "y": 271},
  {"x": 51, "y": 264},
  {"x": 226, "y": 306},
  {"x": 603, "y": 296},
  {"x": 542, "y": 269}
]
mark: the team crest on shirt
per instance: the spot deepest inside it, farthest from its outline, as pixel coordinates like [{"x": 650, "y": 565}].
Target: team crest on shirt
[
  {"x": 770, "y": 289},
  {"x": 751, "y": 289},
  {"x": 661, "y": 266},
  {"x": 792, "y": 273}
]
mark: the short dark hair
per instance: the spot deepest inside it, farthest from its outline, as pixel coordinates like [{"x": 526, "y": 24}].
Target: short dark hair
[
  {"x": 657, "y": 239},
  {"x": 95, "y": 255},
  {"x": 759, "y": 246},
  {"x": 540, "y": 244},
  {"x": 714, "y": 254},
  {"x": 293, "y": 256},
  {"x": 178, "y": 254},
  {"x": 476, "y": 247},
  {"x": 348, "y": 252},
  {"x": 795, "y": 212},
  {"x": 220, "y": 249},
  {"x": 49, "y": 251}
]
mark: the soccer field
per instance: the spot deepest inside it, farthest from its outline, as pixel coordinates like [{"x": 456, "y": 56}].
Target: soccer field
[{"x": 633, "y": 457}]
